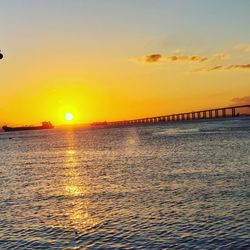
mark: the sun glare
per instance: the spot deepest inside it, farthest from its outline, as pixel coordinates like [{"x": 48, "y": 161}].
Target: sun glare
[{"x": 69, "y": 117}]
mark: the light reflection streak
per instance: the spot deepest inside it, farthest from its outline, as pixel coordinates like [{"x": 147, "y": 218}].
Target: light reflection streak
[
  {"x": 75, "y": 186},
  {"x": 131, "y": 141}
]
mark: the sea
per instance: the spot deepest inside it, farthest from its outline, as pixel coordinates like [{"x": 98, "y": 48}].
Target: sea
[{"x": 179, "y": 185}]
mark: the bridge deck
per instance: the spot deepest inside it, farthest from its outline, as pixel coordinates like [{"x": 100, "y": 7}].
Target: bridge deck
[{"x": 194, "y": 115}]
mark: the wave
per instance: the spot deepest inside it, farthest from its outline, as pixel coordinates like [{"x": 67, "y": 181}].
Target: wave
[{"x": 176, "y": 131}]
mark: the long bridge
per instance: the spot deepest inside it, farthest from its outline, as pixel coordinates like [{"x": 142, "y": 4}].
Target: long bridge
[{"x": 224, "y": 112}]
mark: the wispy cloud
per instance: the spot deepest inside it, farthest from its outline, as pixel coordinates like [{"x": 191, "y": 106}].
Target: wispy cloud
[
  {"x": 187, "y": 58},
  {"x": 241, "y": 100},
  {"x": 225, "y": 67},
  {"x": 218, "y": 67},
  {"x": 229, "y": 67},
  {"x": 153, "y": 58},
  {"x": 238, "y": 66},
  {"x": 212, "y": 62}
]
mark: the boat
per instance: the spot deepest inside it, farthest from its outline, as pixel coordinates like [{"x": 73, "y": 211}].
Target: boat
[{"x": 45, "y": 125}]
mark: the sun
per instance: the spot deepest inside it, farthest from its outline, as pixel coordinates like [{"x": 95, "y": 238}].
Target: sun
[{"x": 69, "y": 117}]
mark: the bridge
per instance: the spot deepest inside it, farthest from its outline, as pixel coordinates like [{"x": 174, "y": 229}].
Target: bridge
[{"x": 224, "y": 112}]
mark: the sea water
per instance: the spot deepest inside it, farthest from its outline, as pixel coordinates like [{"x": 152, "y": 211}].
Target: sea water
[{"x": 182, "y": 185}]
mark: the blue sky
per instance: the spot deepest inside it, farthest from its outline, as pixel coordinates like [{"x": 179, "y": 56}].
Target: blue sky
[{"x": 178, "y": 21}]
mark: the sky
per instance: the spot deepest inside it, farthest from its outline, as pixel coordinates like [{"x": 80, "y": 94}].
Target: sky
[{"x": 114, "y": 59}]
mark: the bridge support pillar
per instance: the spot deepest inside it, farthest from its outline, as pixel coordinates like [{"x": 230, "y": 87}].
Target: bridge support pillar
[
  {"x": 216, "y": 113},
  {"x": 224, "y": 112},
  {"x": 233, "y": 111},
  {"x": 203, "y": 114},
  {"x": 210, "y": 114}
]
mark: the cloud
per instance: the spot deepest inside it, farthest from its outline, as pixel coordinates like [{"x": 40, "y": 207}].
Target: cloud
[
  {"x": 227, "y": 67},
  {"x": 238, "y": 66},
  {"x": 211, "y": 63},
  {"x": 153, "y": 58},
  {"x": 241, "y": 100},
  {"x": 193, "y": 58},
  {"x": 173, "y": 58},
  {"x": 218, "y": 67}
]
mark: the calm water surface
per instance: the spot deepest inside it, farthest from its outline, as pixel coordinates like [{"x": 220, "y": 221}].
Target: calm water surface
[{"x": 177, "y": 186}]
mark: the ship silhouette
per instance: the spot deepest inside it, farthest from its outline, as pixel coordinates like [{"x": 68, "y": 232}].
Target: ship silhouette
[{"x": 45, "y": 125}]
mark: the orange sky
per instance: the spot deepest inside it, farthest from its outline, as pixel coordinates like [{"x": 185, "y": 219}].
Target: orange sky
[{"x": 126, "y": 62}]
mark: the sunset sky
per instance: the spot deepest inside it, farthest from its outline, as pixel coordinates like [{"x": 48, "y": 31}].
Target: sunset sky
[{"x": 121, "y": 59}]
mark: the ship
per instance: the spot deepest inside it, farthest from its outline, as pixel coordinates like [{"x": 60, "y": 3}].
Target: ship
[{"x": 45, "y": 125}]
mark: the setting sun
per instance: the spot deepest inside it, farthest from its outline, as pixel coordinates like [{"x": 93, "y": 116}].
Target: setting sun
[{"x": 69, "y": 117}]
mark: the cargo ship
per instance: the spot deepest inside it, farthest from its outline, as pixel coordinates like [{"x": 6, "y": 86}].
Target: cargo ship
[{"x": 45, "y": 125}]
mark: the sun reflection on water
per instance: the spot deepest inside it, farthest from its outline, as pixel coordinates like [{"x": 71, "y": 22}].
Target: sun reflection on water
[
  {"x": 80, "y": 217},
  {"x": 76, "y": 187},
  {"x": 73, "y": 190}
]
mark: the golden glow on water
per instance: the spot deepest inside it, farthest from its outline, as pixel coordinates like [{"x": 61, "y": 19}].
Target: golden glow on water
[
  {"x": 80, "y": 217},
  {"x": 70, "y": 152},
  {"x": 75, "y": 186},
  {"x": 73, "y": 190}
]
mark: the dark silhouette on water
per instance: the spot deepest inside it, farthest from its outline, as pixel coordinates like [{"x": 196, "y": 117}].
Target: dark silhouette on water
[
  {"x": 1, "y": 55},
  {"x": 225, "y": 112},
  {"x": 45, "y": 125}
]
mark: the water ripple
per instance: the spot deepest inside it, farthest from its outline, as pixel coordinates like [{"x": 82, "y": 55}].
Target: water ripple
[{"x": 179, "y": 186}]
